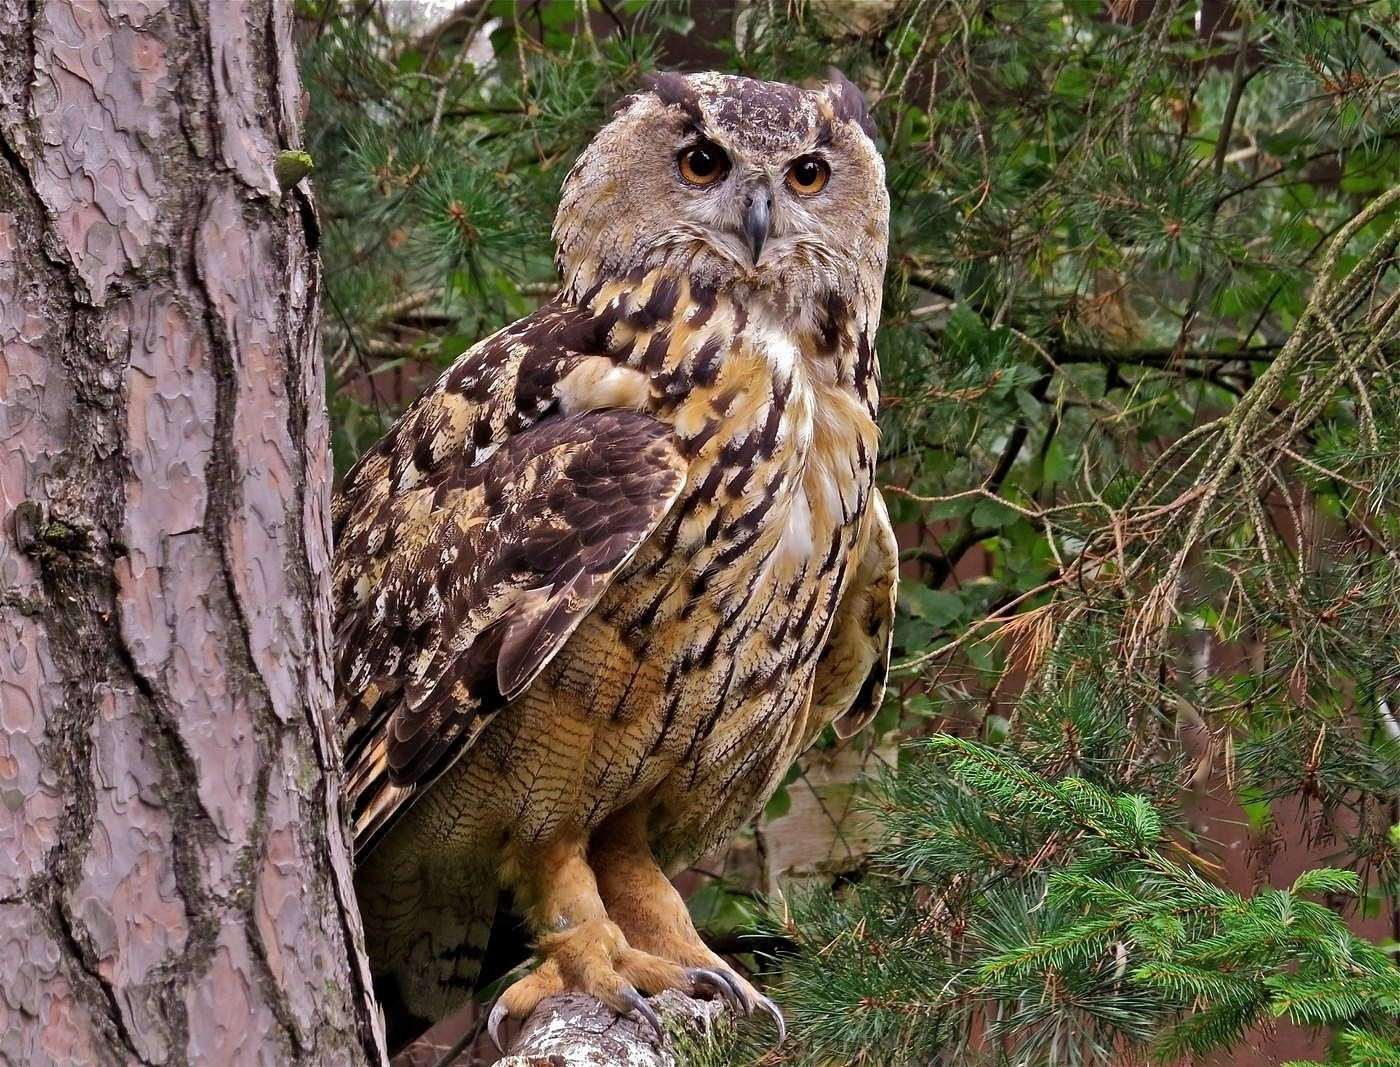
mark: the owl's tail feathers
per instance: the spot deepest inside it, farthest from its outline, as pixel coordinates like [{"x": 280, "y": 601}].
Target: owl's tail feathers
[
  {"x": 510, "y": 944},
  {"x": 427, "y": 931}
]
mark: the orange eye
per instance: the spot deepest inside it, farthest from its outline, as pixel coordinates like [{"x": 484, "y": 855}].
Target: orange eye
[
  {"x": 703, "y": 163},
  {"x": 807, "y": 176}
]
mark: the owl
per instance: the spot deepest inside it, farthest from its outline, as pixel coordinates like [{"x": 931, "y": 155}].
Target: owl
[{"x": 623, "y": 562}]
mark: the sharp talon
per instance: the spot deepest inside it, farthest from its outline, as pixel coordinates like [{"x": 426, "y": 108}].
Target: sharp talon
[
  {"x": 638, "y": 1004},
  {"x": 720, "y": 983},
  {"x": 746, "y": 1004},
  {"x": 499, "y": 1013},
  {"x": 772, "y": 1009}
]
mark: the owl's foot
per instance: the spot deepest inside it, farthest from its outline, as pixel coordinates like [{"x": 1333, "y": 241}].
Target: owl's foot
[
  {"x": 746, "y": 1000},
  {"x": 653, "y": 916},
  {"x": 595, "y": 959},
  {"x": 754, "y": 1001}
]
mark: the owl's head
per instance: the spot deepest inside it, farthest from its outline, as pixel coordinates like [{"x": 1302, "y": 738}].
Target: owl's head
[{"x": 734, "y": 182}]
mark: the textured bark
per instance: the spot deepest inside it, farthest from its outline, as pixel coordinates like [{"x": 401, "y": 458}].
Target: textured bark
[
  {"x": 174, "y": 883},
  {"x": 577, "y": 1031}
]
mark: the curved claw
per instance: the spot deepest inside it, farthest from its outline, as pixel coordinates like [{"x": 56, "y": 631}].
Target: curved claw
[
  {"x": 499, "y": 1013},
  {"x": 721, "y": 983},
  {"x": 772, "y": 1009},
  {"x": 638, "y": 1004}
]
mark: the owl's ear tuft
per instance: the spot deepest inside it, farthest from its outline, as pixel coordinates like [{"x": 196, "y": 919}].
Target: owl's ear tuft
[
  {"x": 674, "y": 90},
  {"x": 848, "y": 102}
]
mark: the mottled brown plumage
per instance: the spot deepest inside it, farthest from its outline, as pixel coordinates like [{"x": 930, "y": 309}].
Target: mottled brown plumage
[{"x": 606, "y": 578}]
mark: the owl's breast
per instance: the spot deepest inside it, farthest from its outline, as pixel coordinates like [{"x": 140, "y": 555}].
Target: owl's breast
[
  {"x": 781, "y": 457},
  {"x": 732, "y": 596},
  {"x": 692, "y": 677}
]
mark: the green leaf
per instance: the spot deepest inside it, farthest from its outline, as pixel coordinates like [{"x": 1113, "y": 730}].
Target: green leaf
[
  {"x": 921, "y": 706},
  {"x": 1073, "y": 83},
  {"x": 1257, "y": 809},
  {"x": 1059, "y": 464},
  {"x": 778, "y": 804},
  {"x": 1030, "y": 408},
  {"x": 913, "y": 635},
  {"x": 952, "y": 509},
  {"x": 993, "y": 514},
  {"x": 934, "y": 606},
  {"x": 888, "y": 717}
]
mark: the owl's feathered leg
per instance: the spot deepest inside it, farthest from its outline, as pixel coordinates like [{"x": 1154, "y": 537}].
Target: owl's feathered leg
[
  {"x": 652, "y": 914},
  {"x": 580, "y": 948}
]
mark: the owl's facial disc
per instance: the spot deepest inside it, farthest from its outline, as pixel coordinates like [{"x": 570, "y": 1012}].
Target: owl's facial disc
[
  {"x": 704, "y": 167},
  {"x": 732, "y": 182},
  {"x": 741, "y": 201}
]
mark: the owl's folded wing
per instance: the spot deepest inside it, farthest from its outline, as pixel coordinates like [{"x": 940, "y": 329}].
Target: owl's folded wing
[
  {"x": 851, "y": 673},
  {"x": 486, "y": 570}
]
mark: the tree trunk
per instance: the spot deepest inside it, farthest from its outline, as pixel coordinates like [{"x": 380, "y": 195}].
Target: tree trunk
[{"x": 175, "y": 886}]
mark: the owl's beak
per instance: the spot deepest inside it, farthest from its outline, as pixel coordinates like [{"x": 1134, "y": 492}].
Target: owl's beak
[{"x": 758, "y": 219}]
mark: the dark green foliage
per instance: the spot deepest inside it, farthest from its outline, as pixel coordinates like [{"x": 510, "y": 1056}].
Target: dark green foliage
[
  {"x": 1139, "y": 352},
  {"x": 1027, "y": 915}
]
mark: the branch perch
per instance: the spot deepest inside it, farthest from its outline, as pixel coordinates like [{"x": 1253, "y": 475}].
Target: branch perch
[{"x": 573, "y": 1030}]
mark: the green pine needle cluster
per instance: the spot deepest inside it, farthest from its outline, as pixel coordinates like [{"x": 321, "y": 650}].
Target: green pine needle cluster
[{"x": 1031, "y": 918}]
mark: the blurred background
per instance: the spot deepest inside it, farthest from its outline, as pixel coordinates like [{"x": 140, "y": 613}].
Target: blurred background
[{"x": 1134, "y": 792}]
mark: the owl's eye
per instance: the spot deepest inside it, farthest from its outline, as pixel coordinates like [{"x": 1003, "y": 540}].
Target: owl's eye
[
  {"x": 807, "y": 176},
  {"x": 703, "y": 163}
]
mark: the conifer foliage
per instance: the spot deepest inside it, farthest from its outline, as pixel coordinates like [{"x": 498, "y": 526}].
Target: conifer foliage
[
  {"x": 1140, "y": 356},
  {"x": 1041, "y": 919}
]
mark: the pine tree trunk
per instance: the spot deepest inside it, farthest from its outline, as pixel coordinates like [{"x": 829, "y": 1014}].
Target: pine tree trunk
[{"x": 174, "y": 882}]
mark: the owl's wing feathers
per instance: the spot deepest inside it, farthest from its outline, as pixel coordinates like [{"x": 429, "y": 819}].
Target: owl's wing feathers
[
  {"x": 851, "y": 673},
  {"x": 465, "y": 575},
  {"x": 487, "y": 588}
]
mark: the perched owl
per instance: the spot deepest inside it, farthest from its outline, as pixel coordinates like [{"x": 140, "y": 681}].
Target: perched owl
[{"x": 625, "y": 559}]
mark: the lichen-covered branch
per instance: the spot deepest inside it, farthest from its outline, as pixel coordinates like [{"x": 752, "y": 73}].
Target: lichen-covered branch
[{"x": 577, "y": 1031}]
